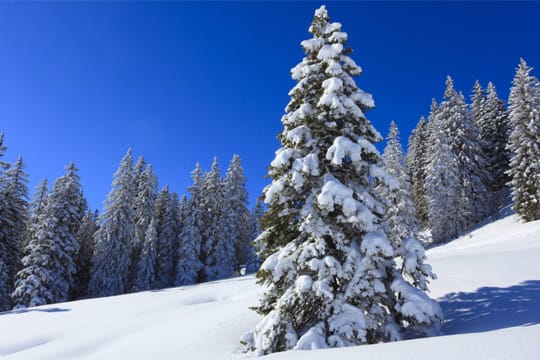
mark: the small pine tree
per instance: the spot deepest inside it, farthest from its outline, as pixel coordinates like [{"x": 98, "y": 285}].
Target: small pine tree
[
  {"x": 190, "y": 239},
  {"x": 114, "y": 239},
  {"x": 416, "y": 161},
  {"x": 524, "y": 143}
]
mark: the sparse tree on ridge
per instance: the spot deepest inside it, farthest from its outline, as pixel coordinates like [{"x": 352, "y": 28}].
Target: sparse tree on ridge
[
  {"x": 114, "y": 239},
  {"x": 331, "y": 280},
  {"x": 253, "y": 261},
  {"x": 524, "y": 143}
]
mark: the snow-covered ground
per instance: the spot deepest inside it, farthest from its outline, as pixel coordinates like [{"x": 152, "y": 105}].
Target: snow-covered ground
[{"x": 488, "y": 286}]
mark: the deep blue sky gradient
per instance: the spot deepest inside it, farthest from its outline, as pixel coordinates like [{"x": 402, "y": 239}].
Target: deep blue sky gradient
[{"x": 182, "y": 82}]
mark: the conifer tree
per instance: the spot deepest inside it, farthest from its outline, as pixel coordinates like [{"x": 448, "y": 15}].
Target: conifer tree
[
  {"x": 442, "y": 185},
  {"x": 190, "y": 240},
  {"x": 146, "y": 274},
  {"x": 253, "y": 261},
  {"x": 416, "y": 161},
  {"x": 235, "y": 215},
  {"x": 49, "y": 263},
  {"x": 145, "y": 207},
  {"x": 214, "y": 252},
  {"x": 399, "y": 214},
  {"x": 36, "y": 208},
  {"x": 85, "y": 238},
  {"x": 332, "y": 280},
  {"x": 167, "y": 218},
  {"x": 115, "y": 237},
  {"x": 464, "y": 140},
  {"x": 494, "y": 133},
  {"x": 524, "y": 143},
  {"x": 13, "y": 223}
]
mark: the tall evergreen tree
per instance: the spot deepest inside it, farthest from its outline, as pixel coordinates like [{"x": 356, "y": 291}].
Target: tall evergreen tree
[
  {"x": 190, "y": 240},
  {"x": 36, "y": 208},
  {"x": 13, "y": 221},
  {"x": 235, "y": 215},
  {"x": 253, "y": 261},
  {"x": 49, "y": 264},
  {"x": 416, "y": 161},
  {"x": 115, "y": 237},
  {"x": 442, "y": 184},
  {"x": 85, "y": 238},
  {"x": 145, "y": 207},
  {"x": 146, "y": 274},
  {"x": 168, "y": 218},
  {"x": 524, "y": 143},
  {"x": 464, "y": 139},
  {"x": 332, "y": 280},
  {"x": 215, "y": 253},
  {"x": 399, "y": 215}
]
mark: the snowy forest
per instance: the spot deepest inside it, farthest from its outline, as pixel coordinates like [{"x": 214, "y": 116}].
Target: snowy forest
[{"x": 338, "y": 236}]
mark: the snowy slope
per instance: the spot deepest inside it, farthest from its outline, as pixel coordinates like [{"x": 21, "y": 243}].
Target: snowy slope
[{"x": 488, "y": 286}]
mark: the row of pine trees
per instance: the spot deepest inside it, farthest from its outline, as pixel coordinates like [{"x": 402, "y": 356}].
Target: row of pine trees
[
  {"x": 467, "y": 159},
  {"x": 54, "y": 248}
]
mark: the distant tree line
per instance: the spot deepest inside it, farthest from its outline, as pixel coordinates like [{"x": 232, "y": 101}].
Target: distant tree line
[{"x": 53, "y": 248}]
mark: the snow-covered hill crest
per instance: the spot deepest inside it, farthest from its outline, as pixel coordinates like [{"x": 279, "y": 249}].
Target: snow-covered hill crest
[{"x": 488, "y": 286}]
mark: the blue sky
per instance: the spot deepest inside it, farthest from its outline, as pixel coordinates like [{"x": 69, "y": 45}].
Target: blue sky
[{"x": 182, "y": 82}]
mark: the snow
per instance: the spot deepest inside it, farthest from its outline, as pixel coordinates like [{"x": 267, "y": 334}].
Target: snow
[{"x": 488, "y": 287}]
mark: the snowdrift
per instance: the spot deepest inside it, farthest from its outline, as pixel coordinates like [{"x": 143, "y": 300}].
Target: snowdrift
[{"x": 488, "y": 286}]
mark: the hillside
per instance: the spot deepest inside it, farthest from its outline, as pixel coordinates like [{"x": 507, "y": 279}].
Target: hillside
[{"x": 488, "y": 286}]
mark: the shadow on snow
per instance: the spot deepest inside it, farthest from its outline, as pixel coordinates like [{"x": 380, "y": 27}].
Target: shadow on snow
[
  {"x": 22, "y": 311},
  {"x": 492, "y": 308}
]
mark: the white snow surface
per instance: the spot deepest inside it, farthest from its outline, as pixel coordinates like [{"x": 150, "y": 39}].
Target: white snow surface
[{"x": 488, "y": 286}]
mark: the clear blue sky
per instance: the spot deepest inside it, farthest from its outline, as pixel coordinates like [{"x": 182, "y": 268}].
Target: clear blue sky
[{"x": 183, "y": 82}]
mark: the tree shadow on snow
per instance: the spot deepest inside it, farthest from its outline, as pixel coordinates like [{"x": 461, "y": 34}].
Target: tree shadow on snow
[
  {"x": 22, "y": 311},
  {"x": 492, "y": 308}
]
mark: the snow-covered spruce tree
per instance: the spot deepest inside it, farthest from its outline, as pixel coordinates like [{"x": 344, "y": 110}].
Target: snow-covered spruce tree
[
  {"x": 49, "y": 264},
  {"x": 190, "y": 239},
  {"x": 146, "y": 273},
  {"x": 36, "y": 207},
  {"x": 253, "y": 261},
  {"x": 168, "y": 218},
  {"x": 494, "y": 133},
  {"x": 464, "y": 139},
  {"x": 145, "y": 207},
  {"x": 235, "y": 214},
  {"x": 399, "y": 216},
  {"x": 416, "y": 160},
  {"x": 491, "y": 116},
  {"x": 332, "y": 280},
  {"x": 83, "y": 262},
  {"x": 442, "y": 184},
  {"x": 13, "y": 221},
  {"x": 114, "y": 239},
  {"x": 215, "y": 254},
  {"x": 524, "y": 143}
]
